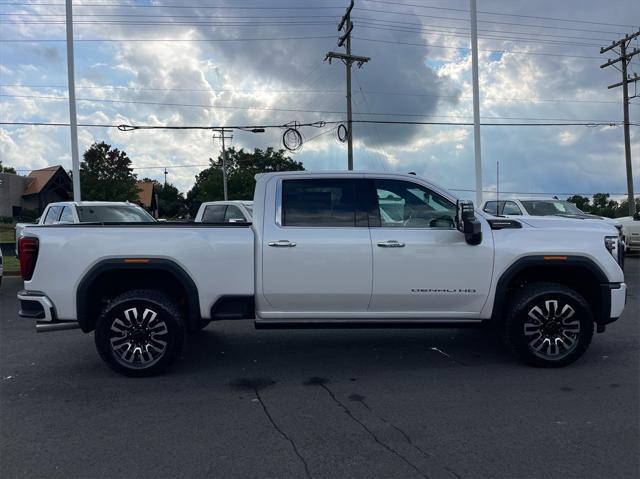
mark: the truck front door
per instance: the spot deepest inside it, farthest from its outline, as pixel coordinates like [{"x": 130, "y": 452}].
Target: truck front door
[{"x": 422, "y": 266}]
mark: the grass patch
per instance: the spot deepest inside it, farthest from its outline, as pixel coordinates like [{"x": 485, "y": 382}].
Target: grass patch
[
  {"x": 7, "y": 233},
  {"x": 11, "y": 264}
]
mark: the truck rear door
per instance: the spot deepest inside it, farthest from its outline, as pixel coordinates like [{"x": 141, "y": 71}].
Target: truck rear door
[{"x": 316, "y": 255}]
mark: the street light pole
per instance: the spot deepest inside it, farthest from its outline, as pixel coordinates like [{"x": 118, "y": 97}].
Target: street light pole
[
  {"x": 73, "y": 118},
  {"x": 476, "y": 102}
]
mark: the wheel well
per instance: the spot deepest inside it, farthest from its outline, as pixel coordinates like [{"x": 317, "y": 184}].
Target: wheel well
[
  {"x": 107, "y": 281},
  {"x": 579, "y": 274},
  {"x": 577, "y": 278}
]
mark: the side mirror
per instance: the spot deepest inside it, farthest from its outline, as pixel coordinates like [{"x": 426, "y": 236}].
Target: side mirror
[{"x": 467, "y": 223}]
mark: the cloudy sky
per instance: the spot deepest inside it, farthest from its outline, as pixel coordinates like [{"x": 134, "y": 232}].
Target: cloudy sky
[{"x": 248, "y": 62}]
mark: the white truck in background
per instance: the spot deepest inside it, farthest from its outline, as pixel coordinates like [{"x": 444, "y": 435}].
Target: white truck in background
[
  {"x": 344, "y": 249},
  {"x": 631, "y": 231},
  {"x": 235, "y": 211},
  {"x": 71, "y": 212}
]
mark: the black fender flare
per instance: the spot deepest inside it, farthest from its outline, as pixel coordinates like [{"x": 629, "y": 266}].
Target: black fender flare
[
  {"x": 555, "y": 261},
  {"x": 128, "y": 264}
]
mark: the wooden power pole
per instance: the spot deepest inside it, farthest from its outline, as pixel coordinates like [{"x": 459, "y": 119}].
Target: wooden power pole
[
  {"x": 348, "y": 60},
  {"x": 624, "y": 58},
  {"x": 221, "y": 132}
]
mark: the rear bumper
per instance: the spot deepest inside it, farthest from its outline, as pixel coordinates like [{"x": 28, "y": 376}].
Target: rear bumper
[{"x": 36, "y": 305}]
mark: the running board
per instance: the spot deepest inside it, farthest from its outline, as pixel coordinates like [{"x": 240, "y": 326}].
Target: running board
[{"x": 366, "y": 324}]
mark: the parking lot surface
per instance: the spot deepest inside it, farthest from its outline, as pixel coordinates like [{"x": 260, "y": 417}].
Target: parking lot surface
[{"x": 319, "y": 404}]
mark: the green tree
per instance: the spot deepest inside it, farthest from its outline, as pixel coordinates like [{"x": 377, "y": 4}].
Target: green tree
[
  {"x": 242, "y": 166},
  {"x": 106, "y": 175},
  {"x": 582, "y": 202},
  {"x": 603, "y": 206},
  {"x": 7, "y": 169},
  {"x": 171, "y": 202},
  {"x": 623, "y": 208}
]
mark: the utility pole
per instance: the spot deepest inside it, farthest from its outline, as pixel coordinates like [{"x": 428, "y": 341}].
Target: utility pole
[
  {"x": 476, "y": 102},
  {"x": 73, "y": 118},
  {"x": 165, "y": 176},
  {"x": 348, "y": 60},
  {"x": 222, "y": 137},
  {"x": 625, "y": 58}
]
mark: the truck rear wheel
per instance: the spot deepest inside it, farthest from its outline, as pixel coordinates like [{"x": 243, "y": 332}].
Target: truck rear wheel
[
  {"x": 548, "y": 325},
  {"x": 140, "y": 333}
]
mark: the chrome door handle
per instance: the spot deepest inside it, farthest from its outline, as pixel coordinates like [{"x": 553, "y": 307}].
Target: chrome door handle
[
  {"x": 281, "y": 244},
  {"x": 391, "y": 244}
]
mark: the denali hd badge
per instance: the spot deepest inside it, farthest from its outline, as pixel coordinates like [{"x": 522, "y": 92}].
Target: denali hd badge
[{"x": 443, "y": 290}]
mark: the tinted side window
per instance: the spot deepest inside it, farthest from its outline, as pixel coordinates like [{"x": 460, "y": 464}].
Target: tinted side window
[
  {"x": 491, "y": 207},
  {"x": 319, "y": 202},
  {"x": 214, "y": 214},
  {"x": 52, "y": 215},
  {"x": 510, "y": 208},
  {"x": 408, "y": 205},
  {"x": 233, "y": 213},
  {"x": 67, "y": 215}
]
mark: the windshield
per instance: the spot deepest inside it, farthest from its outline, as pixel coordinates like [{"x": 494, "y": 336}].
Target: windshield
[
  {"x": 550, "y": 207},
  {"x": 113, "y": 214}
]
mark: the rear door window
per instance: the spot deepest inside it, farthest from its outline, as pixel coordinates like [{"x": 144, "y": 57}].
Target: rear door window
[
  {"x": 322, "y": 202},
  {"x": 53, "y": 215},
  {"x": 233, "y": 215},
  {"x": 510, "y": 208},
  {"x": 214, "y": 214},
  {"x": 67, "y": 215}
]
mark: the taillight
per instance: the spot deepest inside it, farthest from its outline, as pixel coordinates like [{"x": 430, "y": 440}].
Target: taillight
[{"x": 28, "y": 254}]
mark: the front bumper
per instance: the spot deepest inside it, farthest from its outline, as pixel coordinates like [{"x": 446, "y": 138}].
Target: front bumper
[
  {"x": 613, "y": 300},
  {"x": 618, "y": 300}
]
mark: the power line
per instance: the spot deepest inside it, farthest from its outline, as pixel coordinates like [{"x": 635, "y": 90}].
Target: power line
[
  {"x": 172, "y": 40},
  {"x": 236, "y": 7},
  {"x": 125, "y": 127},
  {"x": 449, "y": 47},
  {"x": 243, "y": 17},
  {"x": 288, "y": 110},
  {"x": 307, "y": 91},
  {"x": 568, "y": 20}
]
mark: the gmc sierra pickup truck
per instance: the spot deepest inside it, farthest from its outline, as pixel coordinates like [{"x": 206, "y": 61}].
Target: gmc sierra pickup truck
[{"x": 327, "y": 250}]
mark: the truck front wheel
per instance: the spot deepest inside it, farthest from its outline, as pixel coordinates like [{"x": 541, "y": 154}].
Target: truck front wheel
[
  {"x": 548, "y": 325},
  {"x": 140, "y": 333}
]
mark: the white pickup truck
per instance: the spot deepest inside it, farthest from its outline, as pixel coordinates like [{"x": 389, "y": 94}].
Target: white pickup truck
[
  {"x": 232, "y": 211},
  {"x": 327, "y": 250},
  {"x": 88, "y": 212}
]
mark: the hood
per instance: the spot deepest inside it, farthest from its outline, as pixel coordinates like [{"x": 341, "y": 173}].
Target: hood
[{"x": 562, "y": 222}]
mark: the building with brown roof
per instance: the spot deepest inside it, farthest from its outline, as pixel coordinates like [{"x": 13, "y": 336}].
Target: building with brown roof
[
  {"x": 147, "y": 197},
  {"x": 33, "y": 192}
]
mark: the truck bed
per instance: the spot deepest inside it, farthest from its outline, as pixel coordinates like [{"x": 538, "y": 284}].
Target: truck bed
[{"x": 218, "y": 258}]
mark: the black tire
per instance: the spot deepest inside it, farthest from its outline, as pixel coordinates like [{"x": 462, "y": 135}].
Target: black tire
[
  {"x": 156, "y": 337},
  {"x": 534, "y": 335}
]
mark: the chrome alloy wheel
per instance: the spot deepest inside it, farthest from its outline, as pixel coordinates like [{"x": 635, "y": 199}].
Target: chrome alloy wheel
[
  {"x": 138, "y": 340},
  {"x": 552, "y": 330}
]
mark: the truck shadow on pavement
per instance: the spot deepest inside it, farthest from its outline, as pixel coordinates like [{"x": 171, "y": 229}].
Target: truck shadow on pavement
[{"x": 241, "y": 348}]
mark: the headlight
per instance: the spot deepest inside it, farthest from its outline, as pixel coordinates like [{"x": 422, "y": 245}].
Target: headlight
[
  {"x": 614, "y": 247},
  {"x": 611, "y": 243}
]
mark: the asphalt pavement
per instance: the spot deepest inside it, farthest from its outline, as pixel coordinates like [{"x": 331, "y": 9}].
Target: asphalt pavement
[{"x": 320, "y": 404}]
